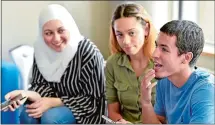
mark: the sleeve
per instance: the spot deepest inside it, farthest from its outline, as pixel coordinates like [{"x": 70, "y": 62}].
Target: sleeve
[
  {"x": 91, "y": 101},
  {"x": 111, "y": 92},
  {"x": 159, "y": 106},
  {"x": 202, "y": 105},
  {"x": 38, "y": 84}
]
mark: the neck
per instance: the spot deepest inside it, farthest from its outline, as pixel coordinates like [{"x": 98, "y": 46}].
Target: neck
[
  {"x": 138, "y": 62},
  {"x": 139, "y": 57},
  {"x": 180, "y": 78}
]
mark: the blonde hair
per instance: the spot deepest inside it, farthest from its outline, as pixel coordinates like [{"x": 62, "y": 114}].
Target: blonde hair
[{"x": 133, "y": 10}]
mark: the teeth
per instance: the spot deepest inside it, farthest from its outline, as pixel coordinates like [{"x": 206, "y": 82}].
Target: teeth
[{"x": 158, "y": 65}]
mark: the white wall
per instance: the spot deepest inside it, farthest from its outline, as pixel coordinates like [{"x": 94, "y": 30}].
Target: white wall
[
  {"x": 20, "y": 18},
  {"x": 19, "y": 21},
  {"x": 206, "y": 18}
]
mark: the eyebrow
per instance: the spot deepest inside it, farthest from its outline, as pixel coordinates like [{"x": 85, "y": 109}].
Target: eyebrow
[
  {"x": 57, "y": 28},
  {"x": 127, "y": 30},
  {"x": 163, "y": 45}
]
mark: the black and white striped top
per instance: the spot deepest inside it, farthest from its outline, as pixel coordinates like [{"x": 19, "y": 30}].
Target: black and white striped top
[{"x": 82, "y": 85}]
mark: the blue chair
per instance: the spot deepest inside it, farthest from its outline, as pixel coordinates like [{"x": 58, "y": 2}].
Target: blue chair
[{"x": 10, "y": 80}]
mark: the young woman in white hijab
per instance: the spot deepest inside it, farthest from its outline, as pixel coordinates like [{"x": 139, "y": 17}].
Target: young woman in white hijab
[{"x": 67, "y": 75}]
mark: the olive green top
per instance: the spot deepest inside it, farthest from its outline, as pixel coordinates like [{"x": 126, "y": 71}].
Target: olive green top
[{"x": 123, "y": 86}]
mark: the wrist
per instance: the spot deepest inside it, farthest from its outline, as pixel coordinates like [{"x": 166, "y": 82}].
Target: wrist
[
  {"x": 121, "y": 120},
  {"x": 50, "y": 102},
  {"x": 118, "y": 120},
  {"x": 54, "y": 102},
  {"x": 146, "y": 103}
]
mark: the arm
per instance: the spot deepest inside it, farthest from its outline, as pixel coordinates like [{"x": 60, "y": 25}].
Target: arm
[
  {"x": 36, "y": 91},
  {"x": 202, "y": 105},
  {"x": 114, "y": 112},
  {"x": 55, "y": 102},
  {"x": 111, "y": 94},
  {"x": 90, "y": 101},
  {"x": 151, "y": 115},
  {"x": 32, "y": 96}
]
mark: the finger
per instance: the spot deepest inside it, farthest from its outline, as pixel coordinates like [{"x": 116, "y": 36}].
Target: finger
[
  {"x": 19, "y": 102},
  {"x": 5, "y": 109},
  {"x": 119, "y": 122},
  {"x": 7, "y": 97},
  {"x": 152, "y": 85},
  {"x": 148, "y": 75},
  {"x": 38, "y": 116},
  {"x": 11, "y": 108},
  {"x": 147, "y": 81},
  {"x": 31, "y": 111},
  {"x": 12, "y": 94},
  {"x": 22, "y": 101},
  {"x": 15, "y": 105},
  {"x": 34, "y": 105},
  {"x": 35, "y": 114},
  {"x": 149, "y": 72}
]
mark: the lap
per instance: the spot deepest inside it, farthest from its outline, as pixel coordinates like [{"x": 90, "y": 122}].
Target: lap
[{"x": 61, "y": 114}]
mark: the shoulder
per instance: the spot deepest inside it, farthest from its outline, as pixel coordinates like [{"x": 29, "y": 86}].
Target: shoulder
[
  {"x": 203, "y": 79},
  {"x": 204, "y": 86},
  {"x": 89, "y": 51},
  {"x": 112, "y": 60},
  {"x": 86, "y": 46}
]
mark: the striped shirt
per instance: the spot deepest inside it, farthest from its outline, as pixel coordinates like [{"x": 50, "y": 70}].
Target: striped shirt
[{"x": 82, "y": 85}]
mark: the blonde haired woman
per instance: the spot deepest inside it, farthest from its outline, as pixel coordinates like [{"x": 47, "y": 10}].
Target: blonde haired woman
[{"x": 132, "y": 42}]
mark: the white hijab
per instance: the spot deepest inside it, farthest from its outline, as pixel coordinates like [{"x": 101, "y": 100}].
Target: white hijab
[{"x": 52, "y": 64}]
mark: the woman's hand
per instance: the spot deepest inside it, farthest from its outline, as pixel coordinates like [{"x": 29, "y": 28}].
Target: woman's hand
[
  {"x": 37, "y": 108},
  {"x": 123, "y": 121},
  {"x": 15, "y": 104}
]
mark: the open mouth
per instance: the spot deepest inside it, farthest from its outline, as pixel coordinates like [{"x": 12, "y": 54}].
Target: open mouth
[{"x": 157, "y": 66}]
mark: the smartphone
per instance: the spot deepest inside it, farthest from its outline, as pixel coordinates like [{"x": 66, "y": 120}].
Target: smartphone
[
  {"x": 5, "y": 104},
  {"x": 108, "y": 119}
]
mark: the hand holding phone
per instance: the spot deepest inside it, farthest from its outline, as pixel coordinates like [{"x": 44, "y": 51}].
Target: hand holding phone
[{"x": 5, "y": 105}]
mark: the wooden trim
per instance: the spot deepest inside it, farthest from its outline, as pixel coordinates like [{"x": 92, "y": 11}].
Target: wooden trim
[{"x": 208, "y": 54}]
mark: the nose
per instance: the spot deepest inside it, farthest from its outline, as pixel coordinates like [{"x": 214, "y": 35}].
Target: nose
[
  {"x": 126, "y": 40},
  {"x": 156, "y": 53},
  {"x": 56, "y": 38}
]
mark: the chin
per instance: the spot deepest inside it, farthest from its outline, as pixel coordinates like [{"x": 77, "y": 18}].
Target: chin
[
  {"x": 159, "y": 76},
  {"x": 58, "y": 49},
  {"x": 130, "y": 53}
]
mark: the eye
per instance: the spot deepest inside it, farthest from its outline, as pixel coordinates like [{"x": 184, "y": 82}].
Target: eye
[
  {"x": 132, "y": 33},
  {"x": 61, "y": 30},
  {"x": 119, "y": 35},
  {"x": 164, "y": 49},
  {"x": 48, "y": 33}
]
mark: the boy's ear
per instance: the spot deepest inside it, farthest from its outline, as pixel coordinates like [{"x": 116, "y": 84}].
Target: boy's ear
[{"x": 188, "y": 57}]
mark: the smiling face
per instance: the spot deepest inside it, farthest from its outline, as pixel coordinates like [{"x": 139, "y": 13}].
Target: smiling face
[
  {"x": 130, "y": 34},
  {"x": 166, "y": 56},
  {"x": 55, "y": 35}
]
